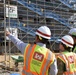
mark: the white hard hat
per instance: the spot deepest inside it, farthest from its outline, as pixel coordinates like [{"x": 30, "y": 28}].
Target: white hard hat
[
  {"x": 72, "y": 31},
  {"x": 67, "y": 40},
  {"x": 44, "y": 32}
]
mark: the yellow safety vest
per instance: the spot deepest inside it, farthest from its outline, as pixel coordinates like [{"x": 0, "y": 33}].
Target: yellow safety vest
[
  {"x": 69, "y": 59},
  {"x": 37, "y": 60}
]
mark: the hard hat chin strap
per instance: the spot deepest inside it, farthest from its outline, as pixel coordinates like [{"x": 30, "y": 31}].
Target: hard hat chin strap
[{"x": 40, "y": 38}]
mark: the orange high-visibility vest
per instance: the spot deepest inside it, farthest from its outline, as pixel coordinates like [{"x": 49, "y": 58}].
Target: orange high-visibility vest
[
  {"x": 37, "y": 60},
  {"x": 69, "y": 60}
]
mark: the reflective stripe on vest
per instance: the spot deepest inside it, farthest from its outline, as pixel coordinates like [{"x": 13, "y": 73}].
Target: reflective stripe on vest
[
  {"x": 65, "y": 58},
  {"x": 28, "y": 46},
  {"x": 45, "y": 65},
  {"x": 30, "y": 49}
]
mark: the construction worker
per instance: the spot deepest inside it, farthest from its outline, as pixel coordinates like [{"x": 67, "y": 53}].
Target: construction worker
[
  {"x": 66, "y": 59},
  {"x": 38, "y": 60},
  {"x": 72, "y": 32}
]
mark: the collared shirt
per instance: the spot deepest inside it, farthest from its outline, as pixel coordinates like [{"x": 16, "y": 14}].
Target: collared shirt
[{"x": 21, "y": 46}]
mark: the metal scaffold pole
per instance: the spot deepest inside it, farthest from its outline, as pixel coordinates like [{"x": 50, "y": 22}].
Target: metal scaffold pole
[
  {"x": 9, "y": 29},
  {"x": 5, "y": 27}
]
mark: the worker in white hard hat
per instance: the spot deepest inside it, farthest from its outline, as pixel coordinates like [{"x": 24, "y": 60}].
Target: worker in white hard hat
[
  {"x": 72, "y": 32},
  {"x": 66, "y": 59},
  {"x": 38, "y": 59}
]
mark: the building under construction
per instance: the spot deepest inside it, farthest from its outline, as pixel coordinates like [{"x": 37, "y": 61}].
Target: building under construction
[{"x": 58, "y": 15}]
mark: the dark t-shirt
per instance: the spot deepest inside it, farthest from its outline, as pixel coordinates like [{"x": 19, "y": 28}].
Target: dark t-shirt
[{"x": 61, "y": 66}]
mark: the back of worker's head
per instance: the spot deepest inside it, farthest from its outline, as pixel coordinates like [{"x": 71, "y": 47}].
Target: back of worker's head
[
  {"x": 44, "y": 35},
  {"x": 67, "y": 42}
]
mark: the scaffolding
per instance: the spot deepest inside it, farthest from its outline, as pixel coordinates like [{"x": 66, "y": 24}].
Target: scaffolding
[{"x": 56, "y": 14}]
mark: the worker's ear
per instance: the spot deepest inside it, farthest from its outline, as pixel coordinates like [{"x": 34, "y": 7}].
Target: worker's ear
[{"x": 36, "y": 38}]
